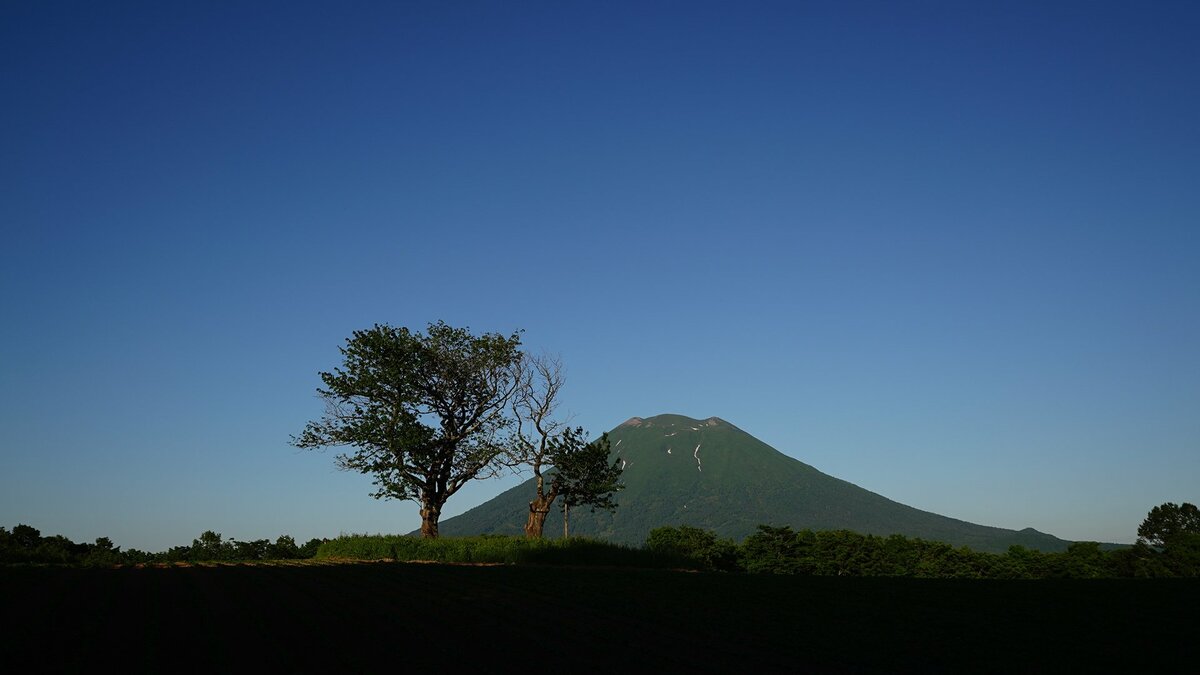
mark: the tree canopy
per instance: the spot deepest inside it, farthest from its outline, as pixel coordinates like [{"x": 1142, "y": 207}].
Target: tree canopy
[
  {"x": 423, "y": 413},
  {"x": 1168, "y": 522},
  {"x": 583, "y": 473}
]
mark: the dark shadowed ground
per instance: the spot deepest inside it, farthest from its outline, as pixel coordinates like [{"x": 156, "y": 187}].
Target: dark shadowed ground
[{"x": 400, "y": 617}]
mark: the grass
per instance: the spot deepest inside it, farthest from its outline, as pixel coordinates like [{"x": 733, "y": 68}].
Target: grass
[
  {"x": 496, "y": 549},
  {"x": 356, "y": 617}
]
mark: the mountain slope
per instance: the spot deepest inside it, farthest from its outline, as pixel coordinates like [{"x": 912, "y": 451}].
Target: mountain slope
[{"x": 711, "y": 474}]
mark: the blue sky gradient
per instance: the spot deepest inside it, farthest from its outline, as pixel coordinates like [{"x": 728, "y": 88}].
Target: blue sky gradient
[{"x": 945, "y": 251}]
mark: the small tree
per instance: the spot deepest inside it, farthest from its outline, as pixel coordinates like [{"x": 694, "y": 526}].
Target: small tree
[
  {"x": 538, "y": 432},
  {"x": 777, "y": 550},
  {"x": 424, "y": 414},
  {"x": 103, "y": 553},
  {"x": 585, "y": 477},
  {"x": 210, "y": 546},
  {"x": 284, "y": 548},
  {"x": 26, "y": 536},
  {"x": 1168, "y": 522},
  {"x": 581, "y": 471}
]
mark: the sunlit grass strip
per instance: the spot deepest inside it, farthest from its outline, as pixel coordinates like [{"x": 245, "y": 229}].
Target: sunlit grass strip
[{"x": 495, "y": 549}]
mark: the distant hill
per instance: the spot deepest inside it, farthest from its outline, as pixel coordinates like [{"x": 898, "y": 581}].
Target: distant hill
[{"x": 711, "y": 474}]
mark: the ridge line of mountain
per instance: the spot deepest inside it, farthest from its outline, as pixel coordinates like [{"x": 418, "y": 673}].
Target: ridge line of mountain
[{"x": 731, "y": 483}]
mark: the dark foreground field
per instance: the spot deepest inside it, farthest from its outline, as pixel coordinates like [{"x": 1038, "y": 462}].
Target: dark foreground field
[{"x": 401, "y": 617}]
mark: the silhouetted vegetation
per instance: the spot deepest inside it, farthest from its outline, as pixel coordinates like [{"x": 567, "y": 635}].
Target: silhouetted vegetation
[
  {"x": 770, "y": 550},
  {"x": 780, "y": 550},
  {"x": 25, "y": 544}
]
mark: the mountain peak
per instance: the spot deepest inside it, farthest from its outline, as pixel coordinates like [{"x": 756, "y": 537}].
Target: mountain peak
[
  {"x": 711, "y": 474},
  {"x": 671, "y": 419}
]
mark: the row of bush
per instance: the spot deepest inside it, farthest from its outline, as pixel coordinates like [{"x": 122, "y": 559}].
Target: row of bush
[
  {"x": 25, "y": 544},
  {"x": 770, "y": 550},
  {"x": 780, "y": 550}
]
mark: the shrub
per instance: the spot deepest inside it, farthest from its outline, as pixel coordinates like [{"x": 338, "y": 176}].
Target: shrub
[
  {"x": 695, "y": 544},
  {"x": 777, "y": 550}
]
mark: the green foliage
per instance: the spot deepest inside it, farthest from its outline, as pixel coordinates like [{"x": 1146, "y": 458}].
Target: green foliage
[
  {"x": 1168, "y": 522},
  {"x": 210, "y": 547},
  {"x": 103, "y": 554},
  {"x": 493, "y": 549},
  {"x": 780, "y": 550},
  {"x": 284, "y": 548},
  {"x": 26, "y": 545},
  {"x": 134, "y": 556},
  {"x": 695, "y": 544},
  {"x": 26, "y": 537},
  {"x": 309, "y": 549},
  {"x": 777, "y": 550},
  {"x": 1183, "y": 555},
  {"x": 1168, "y": 545},
  {"x": 423, "y": 414},
  {"x": 847, "y": 553},
  {"x": 1082, "y": 560},
  {"x": 770, "y": 550},
  {"x": 583, "y": 474}
]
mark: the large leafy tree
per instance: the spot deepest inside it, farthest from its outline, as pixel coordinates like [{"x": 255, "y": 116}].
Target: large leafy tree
[
  {"x": 562, "y": 462},
  {"x": 1169, "y": 522},
  {"x": 423, "y": 414}
]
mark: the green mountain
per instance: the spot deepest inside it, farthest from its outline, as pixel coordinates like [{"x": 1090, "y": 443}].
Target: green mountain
[{"x": 711, "y": 474}]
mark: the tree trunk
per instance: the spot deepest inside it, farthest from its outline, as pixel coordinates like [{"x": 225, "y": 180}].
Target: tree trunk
[
  {"x": 566, "y": 520},
  {"x": 429, "y": 520},
  {"x": 539, "y": 508}
]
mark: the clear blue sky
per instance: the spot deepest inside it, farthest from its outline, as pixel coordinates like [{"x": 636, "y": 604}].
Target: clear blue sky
[{"x": 948, "y": 251}]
